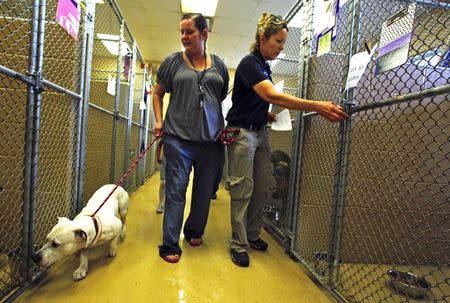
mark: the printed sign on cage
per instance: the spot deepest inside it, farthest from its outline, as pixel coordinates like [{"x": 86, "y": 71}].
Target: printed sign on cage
[
  {"x": 325, "y": 21},
  {"x": 395, "y": 39},
  {"x": 68, "y": 16},
  {"x": 126, "y": 66},
  {"x": 358, "y": 65}
]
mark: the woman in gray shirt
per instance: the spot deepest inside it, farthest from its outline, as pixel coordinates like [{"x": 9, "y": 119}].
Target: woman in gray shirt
[{"x": 197, "y": 82}]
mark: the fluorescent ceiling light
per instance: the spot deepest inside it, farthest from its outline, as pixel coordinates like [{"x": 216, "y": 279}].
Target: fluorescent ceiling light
[
  {"x": 111, "y": 42},
  {"x": 205, "y": 7}
]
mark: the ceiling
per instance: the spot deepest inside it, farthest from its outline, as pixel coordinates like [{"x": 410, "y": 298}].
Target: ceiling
[{"x": 155, "y": 26}]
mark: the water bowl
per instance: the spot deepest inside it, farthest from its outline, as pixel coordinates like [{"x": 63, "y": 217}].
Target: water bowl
[{"x": 408, "y": 283}]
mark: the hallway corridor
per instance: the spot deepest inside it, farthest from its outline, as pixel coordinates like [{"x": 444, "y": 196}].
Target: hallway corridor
[{"x": 204, "y": 274}]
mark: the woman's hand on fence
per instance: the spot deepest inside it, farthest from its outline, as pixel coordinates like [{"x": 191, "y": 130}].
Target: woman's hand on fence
[{"x": 330, "y": 111}]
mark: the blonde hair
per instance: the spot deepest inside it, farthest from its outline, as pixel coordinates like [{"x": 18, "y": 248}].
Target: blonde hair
[{"x": 268, "y": 24}]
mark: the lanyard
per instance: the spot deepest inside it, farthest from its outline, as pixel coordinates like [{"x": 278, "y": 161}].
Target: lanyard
[{"x": 201, "y": 93}]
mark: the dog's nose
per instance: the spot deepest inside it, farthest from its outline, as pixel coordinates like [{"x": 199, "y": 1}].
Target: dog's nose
[{"x": 36, "y": 257}]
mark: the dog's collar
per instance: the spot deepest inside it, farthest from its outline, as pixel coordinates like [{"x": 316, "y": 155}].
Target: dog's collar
[{"x": 98, "y": 229}]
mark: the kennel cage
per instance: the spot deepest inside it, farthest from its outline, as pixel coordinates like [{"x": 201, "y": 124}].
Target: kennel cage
[
  {"x": 55, "y": 107},
  {"x": 370, "y": 197}
]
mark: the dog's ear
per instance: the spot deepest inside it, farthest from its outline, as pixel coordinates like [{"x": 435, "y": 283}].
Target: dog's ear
[
  {"x": 62, "y": 219},
  {"x": 80, "y": 235}
]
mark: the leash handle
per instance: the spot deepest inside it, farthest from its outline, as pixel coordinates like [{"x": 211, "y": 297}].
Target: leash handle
[
  {"x": 141, "y": 155},
  {"x": 229, "y": 135}
]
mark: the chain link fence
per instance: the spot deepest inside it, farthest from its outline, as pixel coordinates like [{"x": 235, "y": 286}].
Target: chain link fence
[
  {"x": 367, "y": 207},
  {"x": 15, "y": 17},
  {"x": 60, "y": 98}
]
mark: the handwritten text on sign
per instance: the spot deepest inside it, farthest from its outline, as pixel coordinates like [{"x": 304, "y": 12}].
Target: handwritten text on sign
[
  {"x": 358, "y": 64},
  {"x": 68, "y": 16}
]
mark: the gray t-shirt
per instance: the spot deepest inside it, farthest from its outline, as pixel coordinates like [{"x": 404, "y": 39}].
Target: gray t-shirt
[{"x": 187, "y": 117}]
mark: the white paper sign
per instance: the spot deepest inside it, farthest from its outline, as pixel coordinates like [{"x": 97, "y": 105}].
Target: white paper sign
[
  {"x": 283, "y": 122},
  {"x": 226, "y": 105},
  {"x": 358, "y": 64},
  {"x": 111, "y": 89},
  {"x": 279, "y": 86},
  {"x": 142, "y": 105},
  {"x": 395, "y": 38},
  {"x": 324, "y": 15}
]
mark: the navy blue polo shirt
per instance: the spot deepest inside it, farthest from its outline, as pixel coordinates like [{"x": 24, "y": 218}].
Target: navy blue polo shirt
[{"x": 248, "y": 107}]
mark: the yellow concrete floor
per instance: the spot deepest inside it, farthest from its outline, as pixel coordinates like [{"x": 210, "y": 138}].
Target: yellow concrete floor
[{"x": 204, "y": 274}]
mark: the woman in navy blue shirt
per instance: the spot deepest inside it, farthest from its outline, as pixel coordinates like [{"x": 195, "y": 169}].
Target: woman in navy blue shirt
[{"x": 249, "y": 156}]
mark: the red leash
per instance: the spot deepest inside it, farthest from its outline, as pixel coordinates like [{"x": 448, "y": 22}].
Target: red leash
[
  {"x": 229, "y": 135},
  {"x": 141, "y": 155}
]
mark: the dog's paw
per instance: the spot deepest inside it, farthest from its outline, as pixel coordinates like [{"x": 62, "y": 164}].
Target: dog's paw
[
  {"x": 124, "y": 232},
  {"x": 112, "y": 253},
  {"x": 79, "y": 274}
]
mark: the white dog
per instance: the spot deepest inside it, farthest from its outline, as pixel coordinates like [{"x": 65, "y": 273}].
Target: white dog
[{"x": 70, "y": 236}]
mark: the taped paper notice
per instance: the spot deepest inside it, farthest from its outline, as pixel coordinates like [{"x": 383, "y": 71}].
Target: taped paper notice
[
  {"x": 395, "y": 38},
  {"x": 226, "y": 105},
  {"x": 126, "y": 66},
  {"x": 325, "y": 15},
  {"x": 358, "y": 65},
  {"x": 324, "y": 44},
  {"x": 68, "y": 16},
  {"x": 283, "y": 122},
  {"x": 111, "y": 88},
  {"x": 279, "y": 86},
  {"x": 142, "y": 105}
]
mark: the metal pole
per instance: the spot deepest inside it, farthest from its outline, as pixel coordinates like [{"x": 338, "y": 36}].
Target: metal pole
[
  {"x": 419, "y": 96},
  {"x": 430, "y": 3},
  {"x": 145, "y": 123},
  {"x": 88, "y": 46},
  {"x": 101, "y": 109},
  {"x": 27, "y": 240},
  {"x": 36, "y": 131},
  {"x": 16, "y": 75},
  {"x": 61, "y": 89},
  {"x": 144, "y": 126},
  {"x": 431, "y": 92},
  {"x": 295, "y": 172},
  {"x": 116, "y": 106},
  {"x": 126, "y": 160},
  {"x": 342, "y": 162}
]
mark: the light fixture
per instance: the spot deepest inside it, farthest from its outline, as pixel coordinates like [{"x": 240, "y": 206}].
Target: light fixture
[
  {"x": 111, "y": 42},
  {"x": 205, "y": 7}
]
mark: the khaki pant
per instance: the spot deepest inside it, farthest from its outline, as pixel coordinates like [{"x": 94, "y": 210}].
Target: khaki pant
[{"x": 249, "y": 178}]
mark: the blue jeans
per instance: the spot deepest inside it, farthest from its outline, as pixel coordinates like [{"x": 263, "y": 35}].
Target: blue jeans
[{"x": 181, "y": 155}]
